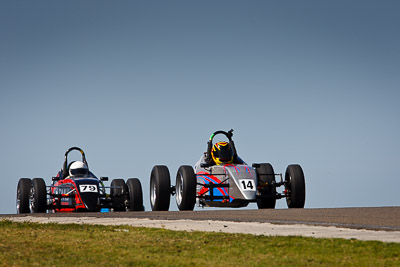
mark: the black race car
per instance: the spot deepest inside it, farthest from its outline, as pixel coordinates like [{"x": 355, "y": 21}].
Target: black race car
[{"x": 75, "y": 188}]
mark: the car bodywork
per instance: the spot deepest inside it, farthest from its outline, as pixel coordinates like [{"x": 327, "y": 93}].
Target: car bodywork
[
  {"x": 230, "y": 185},
  {"x": 226, "y": 185},
  {"x": 78, "y": 194},
  {"x": 74, "y": 193}
]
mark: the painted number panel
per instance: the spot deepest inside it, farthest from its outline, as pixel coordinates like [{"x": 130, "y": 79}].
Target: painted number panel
[
  {"x": 247, "y": 185},
  {"x": 84, "y": 188}
]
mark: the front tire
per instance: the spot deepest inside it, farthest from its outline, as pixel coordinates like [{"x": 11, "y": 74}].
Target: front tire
[
  {"x": 160, "y": 188},
  {"x": 185, "y": 188},
  {"x": 135, "y": 195},
  {"x": 23, "y": 192},
  {"x": 267, "y": 192},
  {"x": 117, "y": 193},
  {"x": 295, "y": 186},
  {"x": 38, "y": 196}
]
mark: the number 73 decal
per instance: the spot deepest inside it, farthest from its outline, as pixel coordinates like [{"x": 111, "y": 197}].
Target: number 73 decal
[
  {"x": 247, "y": 185},
  {"x": 88, "y": 188}
]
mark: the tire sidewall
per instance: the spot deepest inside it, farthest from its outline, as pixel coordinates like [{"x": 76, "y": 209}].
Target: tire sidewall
[
  {"x": 187, "y": 177},
  {"x": 160, "y": 181},
  {"x": 23, "y": 195},
  {"x": 266, "y": 174},
  {"x": 294, "y": 177},
  {"x": 117, "y": 193},
  {"x": 39, "y": 199},
  {"x": 135, "y": 194}
]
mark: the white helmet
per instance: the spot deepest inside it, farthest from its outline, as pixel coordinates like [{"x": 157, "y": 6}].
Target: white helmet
[{"x": 78, "y": 168}]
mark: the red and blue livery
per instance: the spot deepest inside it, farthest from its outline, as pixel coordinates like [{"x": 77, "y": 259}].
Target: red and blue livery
[
  {"x": 76, "y": 189},
  {"x": 222, "y": 179}
]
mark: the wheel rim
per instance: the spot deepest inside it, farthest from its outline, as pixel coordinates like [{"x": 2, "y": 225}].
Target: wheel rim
[
  {"x": 289, "y": 191},
  {"x": 153, "y": 193},
  {"x": 128, "y": 199},
  {"x": 32, "y": 200},
  {"x": 179, "y": 190},
  {"x": 18, "y": 204}
]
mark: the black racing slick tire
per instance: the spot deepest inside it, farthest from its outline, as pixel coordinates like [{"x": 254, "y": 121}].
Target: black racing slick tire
[
  {"x": 135, "y": 194},
  {"x": 295, "y": 186},
  {"x": 185, "y": 188},
  {"x": 23, "y": 192},
  {"x": 160, "y": 188},
  {"x": 117, "y": 193},
  {"x": 38, "y": 196},
  {"x": 266, "y": 186}
]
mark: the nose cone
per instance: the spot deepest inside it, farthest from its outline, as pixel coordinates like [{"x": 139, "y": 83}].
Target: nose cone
[
  {"x": 245, "y": 179},
  {"x": 89, "y": 192},
  {"x": 91, "y": 201}
]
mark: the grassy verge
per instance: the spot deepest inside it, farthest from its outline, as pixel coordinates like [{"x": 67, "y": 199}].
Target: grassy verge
[{"x": 30, "y": 244}]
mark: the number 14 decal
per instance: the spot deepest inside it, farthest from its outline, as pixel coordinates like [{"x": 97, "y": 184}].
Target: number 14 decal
[{"x": 247, "y": 185}]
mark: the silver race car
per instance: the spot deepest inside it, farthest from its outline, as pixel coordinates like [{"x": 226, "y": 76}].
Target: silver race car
[{"x": 222, "y": 179}]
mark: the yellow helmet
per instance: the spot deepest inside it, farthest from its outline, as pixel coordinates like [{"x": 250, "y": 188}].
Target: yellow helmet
[{"x": 222, "y": 153}]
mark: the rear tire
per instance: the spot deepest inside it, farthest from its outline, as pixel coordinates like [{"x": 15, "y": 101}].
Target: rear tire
[
  {"x": 185, "y": 188},
  {"x": 38, "y": 196},
  {"x": 160, "y": 188},
  {"x": 295, "y": 186},
  {"x": 267, "y": 197},
  {"x": 117, "y": 193},
  {"x": 23, "y": 192},
  {"x": 135, "y": 195}
]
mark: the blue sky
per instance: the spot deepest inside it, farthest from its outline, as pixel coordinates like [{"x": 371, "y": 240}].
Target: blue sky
[{"x": 140, "y": 83}]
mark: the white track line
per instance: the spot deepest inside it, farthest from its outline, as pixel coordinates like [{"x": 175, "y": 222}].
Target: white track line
[{"x": 254, "y": 228}]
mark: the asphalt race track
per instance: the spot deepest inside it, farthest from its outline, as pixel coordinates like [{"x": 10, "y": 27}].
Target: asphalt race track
[
  {"x": 377, "y": 218},
  {"x": 375, "y": 223}
]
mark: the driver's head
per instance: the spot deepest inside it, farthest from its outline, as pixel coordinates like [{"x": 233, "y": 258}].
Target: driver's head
[
  {"x": 222, "y": 153},
  {"x": 78, "y": 168}
]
